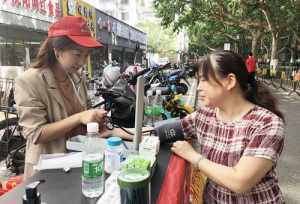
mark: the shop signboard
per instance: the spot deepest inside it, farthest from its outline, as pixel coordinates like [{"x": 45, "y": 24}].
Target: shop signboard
[
  {"x": 103, "y": 22},
  {"x": 45, "y": 10},
  {"x": 119, "y": 28},
  {"x": 143, "y": 46},
  {"x": 115, "y": 32},
  {"x": 226, "y": 46},
  {"x": 88, "y": 12},
  {"x": 122, "y": 30},
  {"x": 138, "y": 36},
  {"x": 80, "y": 8},
  {"x": 104, "y": 27}
]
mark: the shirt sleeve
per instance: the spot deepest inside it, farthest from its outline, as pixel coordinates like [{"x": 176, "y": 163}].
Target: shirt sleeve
[
  {"x": 31, "y": 110},
  {"x": 267, "y": 142},
  {"x": 188, "y": 125}
]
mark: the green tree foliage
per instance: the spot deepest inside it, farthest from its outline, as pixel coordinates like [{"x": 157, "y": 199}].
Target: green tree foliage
[
  {"x": 282, "y": 18},
  {"x": 214, "y": 22},
  {"x": 160, "y": 40}
]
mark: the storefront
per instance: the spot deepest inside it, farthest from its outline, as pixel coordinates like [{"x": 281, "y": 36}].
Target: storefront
[
  {"x": 23, "y": 26},
  {"x": 123, "y": 43},
  {"x": 88, "y": 12}
]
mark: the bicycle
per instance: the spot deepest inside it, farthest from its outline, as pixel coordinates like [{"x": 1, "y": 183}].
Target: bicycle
[{"x": 12, "y": 142}]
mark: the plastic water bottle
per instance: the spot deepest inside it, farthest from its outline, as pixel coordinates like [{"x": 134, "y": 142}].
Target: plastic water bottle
[
  {"x": 157, "y": 106},
  {"x": 113, "y": 154},
  {"x": 174, "y": 89},
  {"x": 92, "y": 164},
  {"x": 148, "y": 116}
]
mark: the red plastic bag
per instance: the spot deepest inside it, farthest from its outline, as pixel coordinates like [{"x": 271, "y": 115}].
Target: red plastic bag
[
  {"x": 173, "y": 190},
  {"x": 2, "y": 191}
]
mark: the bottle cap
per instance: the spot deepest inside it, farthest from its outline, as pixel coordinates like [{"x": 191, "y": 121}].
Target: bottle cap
[
  {"x": 149, "y": 92},
  {"x": 114, "y": 141},
  {"x": 173, "y": 88},
  {"x": 92, "y": 127}
]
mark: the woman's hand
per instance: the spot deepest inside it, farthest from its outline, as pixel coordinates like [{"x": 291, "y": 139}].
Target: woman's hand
[
  {"x": 185, "y": 150},
  {"x": 105, "y": 133},
  {"x": 94, "y": 115}
]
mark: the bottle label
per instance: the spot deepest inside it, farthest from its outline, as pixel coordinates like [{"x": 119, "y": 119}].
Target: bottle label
[
  {"x": 92, "y": 169},
  {"x": 157, "y": 110},
  {"x": 112, "y": 161}
]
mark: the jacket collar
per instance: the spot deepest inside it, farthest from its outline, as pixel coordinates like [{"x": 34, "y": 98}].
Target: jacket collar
[{"x": 49, "y": 79}]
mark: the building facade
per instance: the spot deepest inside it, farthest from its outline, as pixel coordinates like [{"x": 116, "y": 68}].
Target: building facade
[
  {"x": 23, "y": 25},
  {"x": 124, "y": 10},
  {"x": 121, "y": 42}
]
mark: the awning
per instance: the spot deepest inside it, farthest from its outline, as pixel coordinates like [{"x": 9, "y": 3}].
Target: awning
[{"x": 17, "y": 33}]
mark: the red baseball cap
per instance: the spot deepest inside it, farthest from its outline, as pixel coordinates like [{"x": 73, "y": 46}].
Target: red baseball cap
[{"x": 75, "y": 28}]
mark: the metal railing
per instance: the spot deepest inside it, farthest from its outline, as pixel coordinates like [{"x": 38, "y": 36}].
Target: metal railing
[{"x": 286, "y": 78}]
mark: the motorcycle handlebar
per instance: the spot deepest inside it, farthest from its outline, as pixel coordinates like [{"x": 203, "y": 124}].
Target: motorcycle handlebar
[{"x": 134, "y": 78}]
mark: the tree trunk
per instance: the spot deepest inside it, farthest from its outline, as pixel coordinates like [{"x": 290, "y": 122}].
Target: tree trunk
[
  {"x": 293, "y": 48},
  {"x": 255, "y": 38},
  {"x": 265, "y": 48},
  {"x": 253, "y": 46},
  {"x": 274, "y": 33},
  {"x": 293, "y": 54},
  {"x": 274, "y": 51}
]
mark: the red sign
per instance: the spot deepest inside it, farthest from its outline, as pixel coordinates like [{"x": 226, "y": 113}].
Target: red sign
[
  {"x": 50, "y": 7},
  {"x": 45, "y": 7},
  {"x": 57, "y": 9},
  {"x": 35, "y": 4},
  {"x": 16, "y": 3},
  {"x": 26, "y": 4}
]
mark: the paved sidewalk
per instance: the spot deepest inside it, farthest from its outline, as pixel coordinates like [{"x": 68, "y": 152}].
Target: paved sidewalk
[{"x": 289, "y": 162}]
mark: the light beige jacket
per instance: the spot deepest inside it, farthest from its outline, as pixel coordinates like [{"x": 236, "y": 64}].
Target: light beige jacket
[{"x": 40, "y": 102}]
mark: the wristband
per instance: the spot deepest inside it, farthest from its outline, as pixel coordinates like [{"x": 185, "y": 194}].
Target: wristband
[{"x": 200, "y": 158}]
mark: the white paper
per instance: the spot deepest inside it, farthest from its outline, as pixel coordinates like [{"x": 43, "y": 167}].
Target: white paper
[
  {"x": 77, "y": 143},
  {"x": 112, "y": 190},
  {"x": 59, "y": 161}
]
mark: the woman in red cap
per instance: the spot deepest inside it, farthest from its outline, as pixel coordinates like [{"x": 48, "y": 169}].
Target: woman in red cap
[{"x": 51, "y": 96}]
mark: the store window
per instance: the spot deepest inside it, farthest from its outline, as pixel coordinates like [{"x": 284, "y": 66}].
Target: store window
[
  {"x": 99, "y": 60},
  {"x": 17, "y": 53},
  {"x": 12, "y": 53},
  {"x": 129, "y": 56},
  {"x": 125, "y": 16}
]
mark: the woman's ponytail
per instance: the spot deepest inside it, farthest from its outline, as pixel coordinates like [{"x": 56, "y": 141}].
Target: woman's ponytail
[{"x": 261, "y": 95}]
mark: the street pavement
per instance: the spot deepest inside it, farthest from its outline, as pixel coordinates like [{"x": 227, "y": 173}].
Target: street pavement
[{"x": 289, "y": 163}]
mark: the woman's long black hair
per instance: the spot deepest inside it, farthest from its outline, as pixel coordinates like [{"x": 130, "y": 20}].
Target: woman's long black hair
[{"x": 226, "y": 62}]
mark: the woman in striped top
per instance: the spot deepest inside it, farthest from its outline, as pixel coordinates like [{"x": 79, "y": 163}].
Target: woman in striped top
[{"x": 240, "y": 133}]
